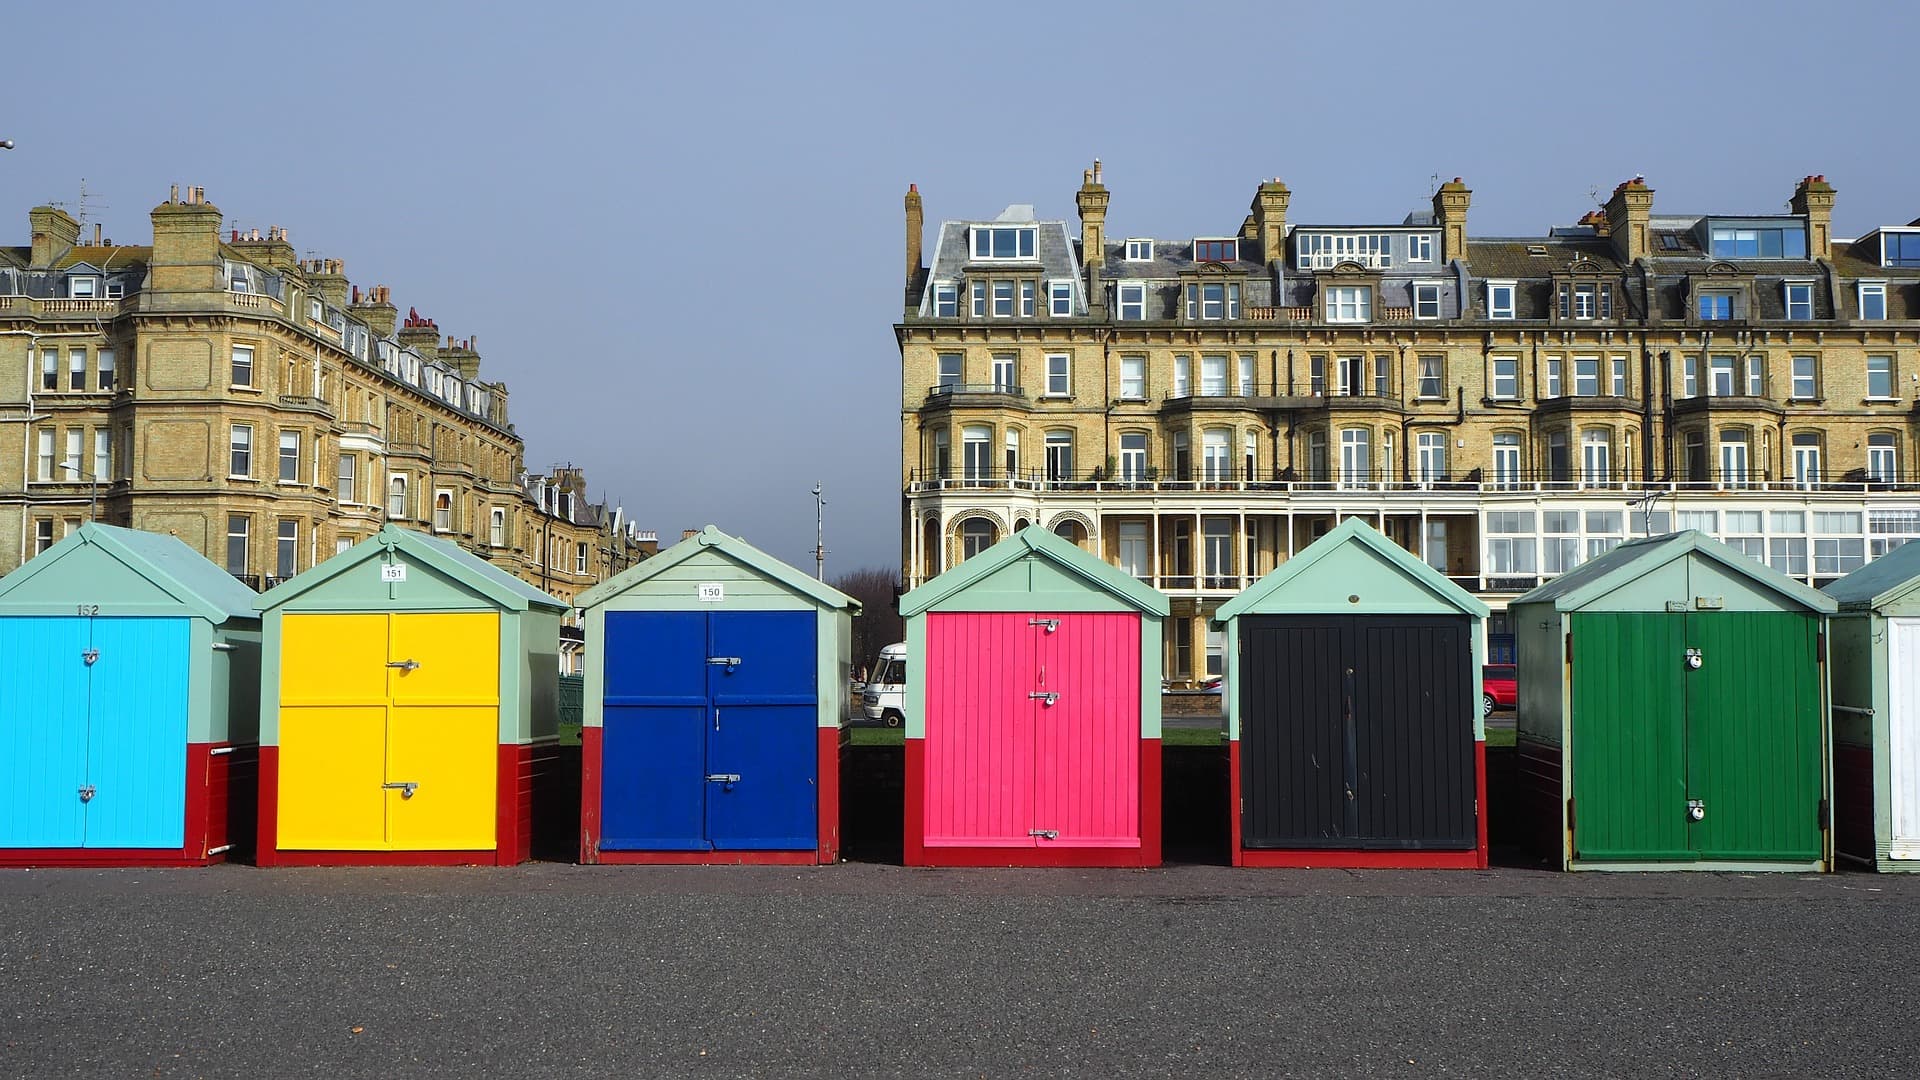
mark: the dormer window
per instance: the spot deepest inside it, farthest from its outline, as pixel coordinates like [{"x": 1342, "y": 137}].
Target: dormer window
[
  {"x": 1799, "y": 300},
  {"x": 237, "y": 278},
  {"x": 1349, "y": 304},
  {"x": 1216, "y": 250},
  {"x": 1873, "y": 300},
  {"x": 1500, "y": 299},
  {"x": 1714, "y": 306},
  {"x": 1426, "y": 300},
  {"x": 1900, "y": 249},
  {"x": 946, "y": 300},
  {"x": 115, "y": 290},
  {"x": 82, "y": 288},
  {"x": 1139, "y": 250},
  {"x": 1420, "y": 248},
  {"x": 1759, "y": 243},
  {"x": 316, "y": 310},
  {"x": 1213, "y": 300},
  {"x": 1132, "y": 297},
  {"x": 1586, "y": 300},
  {"x": 1060, "y": 298},
  {"x": 1003, "y": 242}
]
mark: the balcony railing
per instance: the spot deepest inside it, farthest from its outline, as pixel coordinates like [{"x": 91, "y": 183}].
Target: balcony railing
[
  {"x": 945, "y": 391},
  {"x": 1151, "y": 480}
]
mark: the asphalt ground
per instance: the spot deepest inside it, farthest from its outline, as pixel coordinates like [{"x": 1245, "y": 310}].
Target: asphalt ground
[{"x": 866, "y": 969}]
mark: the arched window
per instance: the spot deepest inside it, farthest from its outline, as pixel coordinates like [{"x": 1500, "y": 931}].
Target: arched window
[
  {"x": 397, "y": 498},
  {"x": 977, "y": 534}
]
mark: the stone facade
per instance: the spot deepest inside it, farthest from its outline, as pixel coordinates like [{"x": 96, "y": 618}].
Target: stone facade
[
  {"x": 1196, "y": 410},
  {"x": 258, "y": 407}
]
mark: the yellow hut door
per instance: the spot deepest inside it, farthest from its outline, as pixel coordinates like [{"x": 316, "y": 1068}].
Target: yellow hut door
[{"x": 389, "y": 729}]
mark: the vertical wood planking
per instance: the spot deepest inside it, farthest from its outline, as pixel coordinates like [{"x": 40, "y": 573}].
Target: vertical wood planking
[
  {"x": 137, "y": 733},
  {"x": 1903, "y": 736},
  {"x": 1629, "y": 746},
  {"x": 1088, "y": 742},
  {"x": 979, "y": 746},
  {"x": 43, "y": 731}
]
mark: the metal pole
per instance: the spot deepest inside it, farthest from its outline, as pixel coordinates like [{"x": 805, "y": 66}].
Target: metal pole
[{"x": 819, "y": 536}]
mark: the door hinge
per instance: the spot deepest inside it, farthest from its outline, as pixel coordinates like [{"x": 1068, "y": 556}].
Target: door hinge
[
  {"x": 1569, "y": 814},
  {"x": 1824, "y": 811},
  {"x": 1045, "y": 834},
  {"x": 1569, "y": 648}
]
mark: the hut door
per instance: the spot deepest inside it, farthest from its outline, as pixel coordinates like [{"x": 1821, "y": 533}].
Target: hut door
[
  {"x": 1357, "y": 732},
  {"x": 93, "y": 732},
  {"x": 1657, "y": 739},
  {"x": 710, "y": 731},
  {"x": 1033, "y": 730},
  {"x": 389, "y": 731},
  {"x": 1903, "y": 736}
]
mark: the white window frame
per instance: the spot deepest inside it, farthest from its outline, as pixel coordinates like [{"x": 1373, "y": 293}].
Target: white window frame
[
  {"x": 1804, "y": 304},
  {"x": 1060, "y": 299},
  {"x": 497, "y": 527},
  {"x": 1511, "y": 378},
  {"x": 1425, "y": 294},
  {"x": 1139, "y": 249},
  {"x": 242, "y": 357},
  {"x": 1133, "y": 378},
  {"x": 289, "y": 441},
  {"x": 1876, "y": 289},
  {"x": 103, "y": 362},
  {"x": 1002, "y": 298},
  {"x": 1506, "y": 460},
  {"x": 1244, "y": 365},
  {"x": 1025, "y": 242},
  {"x": 1059, "y": 375},
  {"x": 1496, "y": 291},
  {"x": 1893, "y": 384},
  {"x": 1183, "y": 376},
  {"x": 443, "y": 515},
  {"x": 1439, "y": 376},
  {"x": 286, "y": 548},
  {"x": 102, "y": 454},
  {"x": 240, "y": 450},
  {"x": 1131, "y": 301},
  {"x": 1213, "y": 375},
  {"x": 1430, "y": 457},
  {"x": 244, "y": 534},
  {"x": 1811, "y": 379},
  {"x": 397, "y": 489},
  {"x": 1420, "y": 247},
  {"x": 347, "y": 479},
  {"x": 1349, "y": 304},
  {"x": 1006, "y": 372},
  {"x": 83, "y": 287},
  {"x": 1883, "y": 457},
  {"x": 946, "y": 300}
]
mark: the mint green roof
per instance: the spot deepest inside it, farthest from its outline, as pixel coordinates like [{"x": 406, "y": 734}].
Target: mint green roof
[
  {"x": 1260, "y": 596},
  {"x": 162, "y": 560},
  {"x": 1635, "y": 559},
  {"x": 1035, "y": 540},
  {"x": 463, "y": 566},
  {"x": 1880, "y": 582},
  {"x": 712, "y": 539}
]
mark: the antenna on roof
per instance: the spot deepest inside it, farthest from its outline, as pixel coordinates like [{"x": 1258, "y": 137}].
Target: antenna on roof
[
  {"x": 1594, "y": 194},
  {"x": 1433, "y": 185},
  {"x": 87, "y": 203}
]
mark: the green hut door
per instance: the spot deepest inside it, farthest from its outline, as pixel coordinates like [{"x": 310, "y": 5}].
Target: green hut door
[{"x": 1735, "y": 740}]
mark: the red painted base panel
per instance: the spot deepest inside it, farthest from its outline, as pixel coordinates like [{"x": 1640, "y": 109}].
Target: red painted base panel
[
  {"x": 916, "y": 852},
  {"x": 204, "y": 825},
  {"x": 513, "y": 826},
  {"x": 827, "y": 746},
  {"x": 1354, "y": 858}
]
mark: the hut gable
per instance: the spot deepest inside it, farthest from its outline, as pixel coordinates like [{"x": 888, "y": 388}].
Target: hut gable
[
  {"x": 1354, "y": 569},
  {"x": 713, "y": 557},
  {"x": 439, "y": 575},
  {"x": 1035, "y": 570},
  {"x": 1890, "y": 583},
  {"x": 126, "y": 572},
  {"x": 1680, "y": 568}
]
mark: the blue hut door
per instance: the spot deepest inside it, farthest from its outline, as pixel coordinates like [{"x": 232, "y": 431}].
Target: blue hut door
[
  {"x": 93, "y": 733},
  {"x": 709, "y": 739}
]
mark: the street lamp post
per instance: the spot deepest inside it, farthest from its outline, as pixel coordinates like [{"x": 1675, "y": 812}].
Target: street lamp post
[
  {"x": 93, "y": 487},
  {"x": 819, "y": 536}
]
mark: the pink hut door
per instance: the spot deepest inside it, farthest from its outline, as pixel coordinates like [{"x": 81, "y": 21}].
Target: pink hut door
[
  {"x": 1087, "y": 731},
  {"x": 979, "y": 746},
  {"x": 1033, "y": 730}
]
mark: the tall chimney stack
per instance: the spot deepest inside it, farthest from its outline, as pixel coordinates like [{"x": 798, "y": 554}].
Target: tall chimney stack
[
  {"x": 1627, "y": 214},
  {"x": 1814, "y": 198},
  {"x": 1450, "y": 211},
  {"x": 916, "y": 228}
]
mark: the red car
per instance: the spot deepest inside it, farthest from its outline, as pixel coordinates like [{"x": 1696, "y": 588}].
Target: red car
[{"x": 1496, "y": 688}]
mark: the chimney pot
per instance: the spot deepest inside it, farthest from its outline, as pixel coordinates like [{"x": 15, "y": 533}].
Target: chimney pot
[
  {"x": 236, "y": 236},
  {"x": 173, "y": 194}
]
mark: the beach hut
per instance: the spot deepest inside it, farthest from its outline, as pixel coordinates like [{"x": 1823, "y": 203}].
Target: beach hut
[
  {"x": 1876, "y": 712},
  {"x": 129, "y": 674},
  {"x": 716, "y": 687},
  {"x": 1672, "y": 711},
  {"x": 406, "y": 709},
  {"x": 1353, "y": 713},
  {"x": 1033, "y": 711}
]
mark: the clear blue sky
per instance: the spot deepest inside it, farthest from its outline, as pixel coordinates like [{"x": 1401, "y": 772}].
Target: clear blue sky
[{"x": 676, "y": 230}]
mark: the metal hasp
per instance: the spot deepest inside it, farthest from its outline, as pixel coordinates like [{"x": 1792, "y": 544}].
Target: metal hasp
[
  {"x": 1044, "y": 697},
  {"x": 90, "y": 655},
  {"x": 1696, "y": 810},
  {"x": 404, "y": 787},
  {"x": 403, "y": 665},
  {"x": 1050, "y": 625},
  {"x": 1694, "y": 661},
  {"x": 728, "y": 662},
  {"x": 86, "y": 793},
  {"x": 723, "y": 778},
  {"x": 1045, "y": 834}
]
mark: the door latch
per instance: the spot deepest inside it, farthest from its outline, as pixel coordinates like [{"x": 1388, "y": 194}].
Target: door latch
[
  {"x": 403, "y": 665},
  {"x": 90, "y": 655},
  {"x": 1045, "y": 834},
  {"x": 1044, "y": 697},
  {"x": 1050, "y": 625},
  {"x": 86, "y": 793},
  {"x": 404, "y": 787},
  {"x": 728, "y": 662},
  {"x": 727, "y": 778},
  {"x": 1694, "y": 660},
  {"x": 1696, "y": 810}
]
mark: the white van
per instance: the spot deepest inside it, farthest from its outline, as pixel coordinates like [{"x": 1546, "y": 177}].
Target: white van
[{"x": 886, "y": 686}]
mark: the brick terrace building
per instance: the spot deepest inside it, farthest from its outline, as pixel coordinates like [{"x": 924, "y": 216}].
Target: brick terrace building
[
  {"x": 1198, "y": 409},
  {"x": 259, "y": 408}
]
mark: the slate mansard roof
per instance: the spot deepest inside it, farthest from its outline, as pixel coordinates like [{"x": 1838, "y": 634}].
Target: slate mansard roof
[{"x": 1056, "y": 256}]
